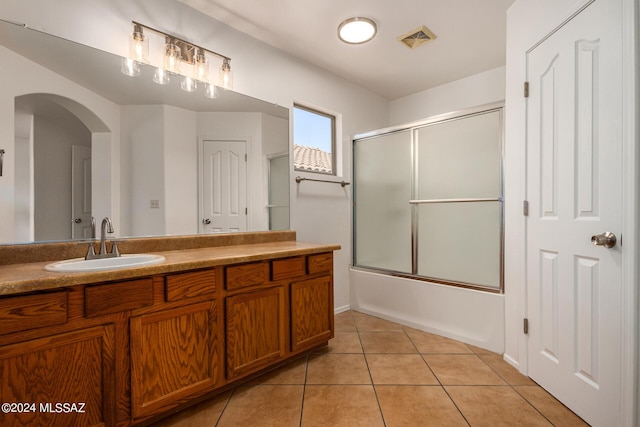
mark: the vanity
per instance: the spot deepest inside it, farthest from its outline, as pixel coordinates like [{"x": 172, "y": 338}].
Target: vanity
[{"x": 126, "y": 347}]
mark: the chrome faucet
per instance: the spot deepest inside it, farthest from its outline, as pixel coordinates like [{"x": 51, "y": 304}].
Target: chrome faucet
[{"x": 105, "y": 228}]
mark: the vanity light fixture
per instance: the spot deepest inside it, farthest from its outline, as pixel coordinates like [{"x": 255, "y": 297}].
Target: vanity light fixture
[
  {"x": 176, "y": 53},
  {"x": 357, "y": 30}
]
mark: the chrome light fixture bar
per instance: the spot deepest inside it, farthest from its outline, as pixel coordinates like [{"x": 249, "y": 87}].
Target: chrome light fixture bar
[{"x": 176, "y": 52}]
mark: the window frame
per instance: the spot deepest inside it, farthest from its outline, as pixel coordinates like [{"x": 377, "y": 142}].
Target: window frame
[{"x": 334, "y": 119}]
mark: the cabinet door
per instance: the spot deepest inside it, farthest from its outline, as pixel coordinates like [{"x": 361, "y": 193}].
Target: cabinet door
[
  {"x": 255, "y": 325},
  {"x": 174, "y": 357},
  {"x": 311, "y": 312},
  {"x": 62, "y": 380}
]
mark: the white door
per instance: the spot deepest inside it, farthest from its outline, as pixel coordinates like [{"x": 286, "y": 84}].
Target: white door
[
  {"x": 81, "y": 192},
  {"x": 574, "y": 180},
  {"x": 224, "y": 187}
]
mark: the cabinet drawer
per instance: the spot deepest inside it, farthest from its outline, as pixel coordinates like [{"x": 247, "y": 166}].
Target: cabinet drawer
[
  {"x": 189, "y": 285},
  {"x": 32, "y": 311},
  {"x": 240, "y": 276},
  {"x": 320, "y": 263},
  {"x": 288, "y": 268},
  {"x": 116, "y": 297}
]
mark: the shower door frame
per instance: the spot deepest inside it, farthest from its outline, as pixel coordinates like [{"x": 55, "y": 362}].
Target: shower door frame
[{"x": 413, "y": 127}]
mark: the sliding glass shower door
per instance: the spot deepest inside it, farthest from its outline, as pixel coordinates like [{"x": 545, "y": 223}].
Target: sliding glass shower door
[
  {"x": 428, "y": 200},
  {"x": 383, "y": 232}
]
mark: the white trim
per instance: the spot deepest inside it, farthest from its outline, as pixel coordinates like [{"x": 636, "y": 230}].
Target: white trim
[
  {"x": 339, "y": 144},
  {"x": 630, "y": 214},
  {"x": 342, "y": 309}
]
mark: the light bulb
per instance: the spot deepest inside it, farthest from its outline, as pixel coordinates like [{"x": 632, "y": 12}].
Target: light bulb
[
  {"x": 357, "y": 30},
  {"x": 172, "y": 57},
  {"x": 226, "y": 76},
  {"x": 139, "y": 45},
  {"x": 200, "y": 66}
]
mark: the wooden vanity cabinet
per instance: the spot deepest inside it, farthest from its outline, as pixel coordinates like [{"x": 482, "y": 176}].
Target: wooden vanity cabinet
[
  {"x": 311, "y": 313},
  {"x": 176, "y": 349},
  {"x": 255, "y": 330},
  {"x": 56, "y": 368},
  {"x": 126, "y": 352},
  {"x": 275, "y": 309}
]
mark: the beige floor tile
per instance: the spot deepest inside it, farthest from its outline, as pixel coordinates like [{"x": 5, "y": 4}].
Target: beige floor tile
[
  {"x": 479, "y": 350},
  {"x": 291, "y": 373},
  {"x": 495, "y": 406},
  {"x": 341, "y": 406},
  {"x": 386, "y": 342},
  {"x": 263, "y": 405},
  {"x": 506, "y": 371},
  {"x": 462, "y": 369},
  {"x": 418, "y": 406},
  {"x": 551, "y": 408},
  {"x": 364, "y": 322},
  {"x": 343, "y": 342},
  {"x": 400, "y": 369},
  {"x": 202, "y": 414},
  {"x": 344, "y": 322},
  {"x": 337, "y": 369},
  {"x": 428, "y": 343}
]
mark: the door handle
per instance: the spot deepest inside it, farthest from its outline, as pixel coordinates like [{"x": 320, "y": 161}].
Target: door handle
[
  {"x": 77, "y": 220},
  {"x": 606, "y": 239},
  {"x": 206, "y": 221}
]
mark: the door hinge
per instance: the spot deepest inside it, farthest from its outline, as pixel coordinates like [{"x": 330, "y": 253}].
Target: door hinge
[
  {"x": 525, "y": 326},
  {"x": 245, "y": 157},
  {"x": 526, "y": 89},
  {"x": 246, "y": 211},
  {"x": 525, "y": 207}
]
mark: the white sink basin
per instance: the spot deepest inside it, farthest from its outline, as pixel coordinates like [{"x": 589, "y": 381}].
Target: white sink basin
[{"x": 100, "y": 264}]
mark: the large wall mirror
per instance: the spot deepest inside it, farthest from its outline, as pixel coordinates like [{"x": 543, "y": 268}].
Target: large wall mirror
[{"x": 81, "y": 140}]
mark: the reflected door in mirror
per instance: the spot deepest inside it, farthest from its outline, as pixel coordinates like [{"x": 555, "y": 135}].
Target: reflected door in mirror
[{"x": 224, "y": 195}]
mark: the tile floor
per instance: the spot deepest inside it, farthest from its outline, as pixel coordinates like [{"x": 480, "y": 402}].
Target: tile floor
[{"x": 379, "y": 373}]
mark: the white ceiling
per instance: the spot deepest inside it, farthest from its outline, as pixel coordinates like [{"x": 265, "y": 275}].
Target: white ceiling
[{"x": 470, "y": 37}]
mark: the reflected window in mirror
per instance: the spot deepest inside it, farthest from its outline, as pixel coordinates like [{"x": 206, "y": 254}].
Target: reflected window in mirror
[{"x": 314, "y": 140}]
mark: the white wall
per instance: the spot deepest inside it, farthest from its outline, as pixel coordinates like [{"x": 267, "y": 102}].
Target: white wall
[
  {"x": 25, "y": 77},
  {"x": 479, "y": 89},
  {"x": 24, "y": 225},
  {"x": 180, "y": 171},
  {"x": 142, "y": 170},
  {"x": 53, "y": 137}
]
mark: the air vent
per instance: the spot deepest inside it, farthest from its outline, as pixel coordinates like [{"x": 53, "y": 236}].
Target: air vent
[{"x": 417, "y": 37}]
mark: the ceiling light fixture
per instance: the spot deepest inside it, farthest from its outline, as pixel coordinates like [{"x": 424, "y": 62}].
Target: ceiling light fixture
[
  {"x": 176, "y": 53},
  {"x": 357, "y": 30}
]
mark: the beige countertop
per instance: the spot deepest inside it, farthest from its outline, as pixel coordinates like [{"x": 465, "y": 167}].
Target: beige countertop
[{"x": 31, "y": 276}]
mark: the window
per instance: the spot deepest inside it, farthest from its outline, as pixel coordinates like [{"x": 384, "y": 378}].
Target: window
[{"x": 313, "y": 141}]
